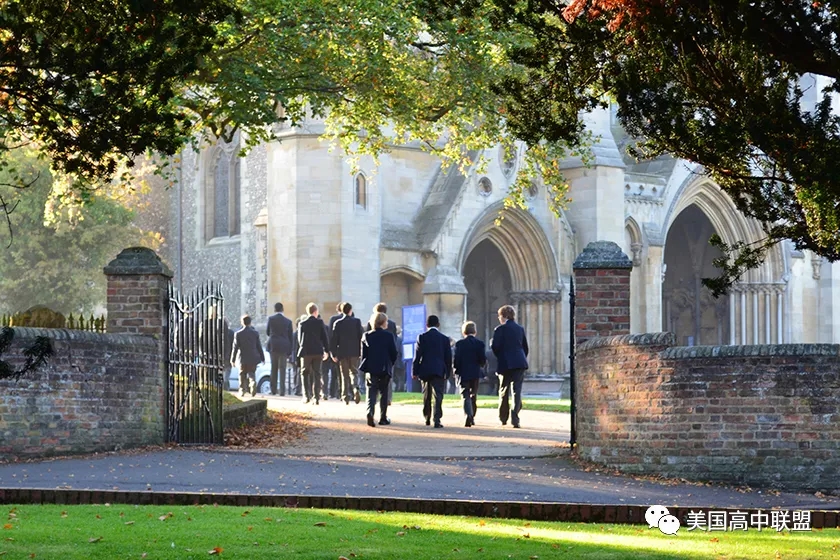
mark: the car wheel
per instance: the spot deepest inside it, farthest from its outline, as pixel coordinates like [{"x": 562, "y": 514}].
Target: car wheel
[{"x": 264, "y": 385}]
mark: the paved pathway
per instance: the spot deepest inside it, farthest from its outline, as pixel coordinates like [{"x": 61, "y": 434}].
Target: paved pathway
[{"x": 345, "y": 457}]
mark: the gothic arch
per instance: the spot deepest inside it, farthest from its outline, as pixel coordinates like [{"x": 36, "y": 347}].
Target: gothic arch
[
  {"x": 529, "y": 271},
  {"x": 523, "y": 243},
  {"x": 728, "y": 222}
]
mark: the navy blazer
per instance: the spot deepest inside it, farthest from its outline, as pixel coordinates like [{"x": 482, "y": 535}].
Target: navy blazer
[
  {"x": 247, "y": 350},
  {"x": 469, "y": 358},
  {"x": 346, "y": 339},
  {"x": 279, "y": 331},
  {"x": 312, "y": 337},
  {"x": 432, "y": 355},
  {"x": 379, "y": 352},
  {"x": 510, "y": 347}
]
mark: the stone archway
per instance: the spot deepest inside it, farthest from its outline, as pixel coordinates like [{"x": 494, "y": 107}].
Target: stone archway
[
  {"x": 520, "y": 247},
  {"x": 688, "y": 308},
  {"x": 488, "y": 283},
  {"x": 756, "y": 302}
]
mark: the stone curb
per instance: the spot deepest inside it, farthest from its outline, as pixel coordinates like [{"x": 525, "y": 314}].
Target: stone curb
[{"x": 535, "y": 511}]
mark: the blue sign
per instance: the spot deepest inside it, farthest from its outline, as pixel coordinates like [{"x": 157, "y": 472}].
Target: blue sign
[
  {"x": 413, "y": 325},
  {"x": 413, "y": 322}
]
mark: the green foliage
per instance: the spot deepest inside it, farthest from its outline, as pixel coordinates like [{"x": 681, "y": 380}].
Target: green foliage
[
  {"x": 92, "y": 83},
  {"x": 58, "y": 265},
  {"x": 720, "y": 83},
  {"x": 380, "y": 73}
]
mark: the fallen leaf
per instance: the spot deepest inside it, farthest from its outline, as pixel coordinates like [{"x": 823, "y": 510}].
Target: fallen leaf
[
  {"x": 279, "y": 429},
  {"x": 321, "y": 524},
  {"x": 129, "y": 522},
  {"x": 401, "y": 534},
  {"x": 268, "y": 519},
  {"x": 217, "y": 550},
  {"x": 527, "y": 535},
  {"x": 481, "y": 549},
  {"x": 534, "y": 557},
  {"x": 246, "y": 512},
  {"x": 482, "y": 523},
  {"x": 94, "y": 539},
  {"x": 343, "y": 558},
  {"x": 63, "y": 514},
  {"x": 714, "y": 540}
]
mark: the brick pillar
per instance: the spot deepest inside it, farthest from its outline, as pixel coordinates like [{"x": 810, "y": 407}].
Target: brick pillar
[
  {"x": 138, "y": 293},
  {"x": 602, "y": 291}
]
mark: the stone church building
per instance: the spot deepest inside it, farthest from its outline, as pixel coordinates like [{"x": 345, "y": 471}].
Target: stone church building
[{"x": 290, "y": 222}]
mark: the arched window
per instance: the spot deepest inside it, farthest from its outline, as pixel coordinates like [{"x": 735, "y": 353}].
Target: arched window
[
  {"x": 361, "y": 191},
  {"x": 221, "y": 195},
  {"x": 222, "y": 191}
]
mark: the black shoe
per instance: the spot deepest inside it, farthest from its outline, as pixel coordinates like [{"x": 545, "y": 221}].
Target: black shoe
[
  {"x": 325, "y": 398},
  {"x": 384, "y": 422},
  {"x": 428, "y": 422},
  {"x": 370, "y": 421},
  {"x": 469, "y": 423},
  {"x": 317, "y": 401},
  {"x": 305, "y": 400},
  {"x": 504, "y": 423},
  {"x": 438, "y": 425},
  {"x": 357, "y": 398}
]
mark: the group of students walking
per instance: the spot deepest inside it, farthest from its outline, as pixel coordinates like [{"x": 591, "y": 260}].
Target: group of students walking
[{"x": 374, "y": 350}]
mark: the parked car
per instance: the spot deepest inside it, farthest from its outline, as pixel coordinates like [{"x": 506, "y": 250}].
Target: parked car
[{"x": 262, "y": 375}]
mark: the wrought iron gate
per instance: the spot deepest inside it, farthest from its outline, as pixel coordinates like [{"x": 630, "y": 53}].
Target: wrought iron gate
[{"x": 196, "y": 365}]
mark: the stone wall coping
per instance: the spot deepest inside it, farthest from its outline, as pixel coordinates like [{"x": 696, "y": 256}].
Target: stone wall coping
[
  {"x": 644, "y": 339},
  {"x": 602, "y": 255},
  {"x": 136, "y": 261},
  {"x": 28, "y": 333},
  {"x": 689, "y": 352}
]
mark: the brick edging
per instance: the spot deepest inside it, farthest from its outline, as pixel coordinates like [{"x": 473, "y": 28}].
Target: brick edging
[{"x": 535, "y": 511}]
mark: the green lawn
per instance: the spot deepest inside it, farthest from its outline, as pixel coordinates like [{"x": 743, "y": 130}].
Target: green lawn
[
  {"x": 169, "y": 532},
  {"x": 487, "y": 401}
]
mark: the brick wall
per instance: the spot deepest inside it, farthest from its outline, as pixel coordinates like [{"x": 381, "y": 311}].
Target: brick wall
[
  {"x": 97, "y": 393},
  {"x": 766, "y": 416},
  {"x": 602, "y": 291},
  {"x": 602, "y": 303}
]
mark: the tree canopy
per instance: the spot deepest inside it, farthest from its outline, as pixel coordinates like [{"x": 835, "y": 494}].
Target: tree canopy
[
  {"x": 58, "y": 263},
  {"x": 727, "y": 84},
  {"x": 717, "y": 82}
]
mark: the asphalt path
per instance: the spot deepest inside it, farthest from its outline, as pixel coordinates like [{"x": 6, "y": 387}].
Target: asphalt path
[{"x": 342, "y": 456}]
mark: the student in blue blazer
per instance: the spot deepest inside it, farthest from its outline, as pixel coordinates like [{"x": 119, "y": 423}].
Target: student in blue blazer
[
  {"x": 432, "y": 365},
  {"x": 379, "y": 352},
  {"x": 511, "y": 349},
  {"x": 469, "y": 363}
]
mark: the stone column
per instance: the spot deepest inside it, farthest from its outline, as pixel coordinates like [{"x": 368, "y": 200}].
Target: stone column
[
  {"x": 444, "y": 294},
  {"x": 602, "y": 299}
]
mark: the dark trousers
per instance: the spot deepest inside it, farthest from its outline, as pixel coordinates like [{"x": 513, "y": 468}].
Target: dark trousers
[
  {"x": 247, "y": 381},
  {"x": 325, "y": 378},
  {"x": 335, "y": 379},
  {"x": 434, "y": 385},
  {"x": 377, "y": 385},
  {"x": 469, "y": 394},
  {"x": 510, "y": 380},
  {"x": 278, "y": 366},
  {"x": 310, "y": 375},
  {"x": 348, "y": 368}
]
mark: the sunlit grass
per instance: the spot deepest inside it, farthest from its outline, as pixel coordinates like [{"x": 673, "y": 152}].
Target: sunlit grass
[
  {"x": 487, "y": 401},
  {"x": 123, "y": 531}
]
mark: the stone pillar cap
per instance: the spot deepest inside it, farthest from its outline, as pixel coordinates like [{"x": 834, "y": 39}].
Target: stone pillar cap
[
  {"x": 443, "y": 279},
  {"x": 136, "y": 261},
  {"x": 602, "y": 254}
]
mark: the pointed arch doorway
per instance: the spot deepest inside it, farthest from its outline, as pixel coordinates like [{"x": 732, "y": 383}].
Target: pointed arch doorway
[{"x": 488, "y": 282}]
